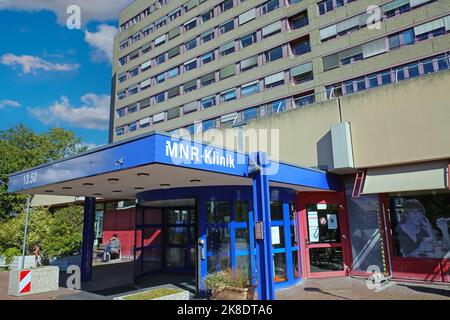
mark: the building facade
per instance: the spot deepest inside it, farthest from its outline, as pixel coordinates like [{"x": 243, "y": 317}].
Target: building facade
[{"x": 362, "y": 109}]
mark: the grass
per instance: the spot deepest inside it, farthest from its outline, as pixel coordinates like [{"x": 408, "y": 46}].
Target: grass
[{"x": 152, "y": 294}]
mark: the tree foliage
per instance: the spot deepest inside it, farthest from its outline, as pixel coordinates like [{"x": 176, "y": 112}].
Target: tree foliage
[
  {"x": 20, "y": 149},
  {"x": 58, "y": 233}
]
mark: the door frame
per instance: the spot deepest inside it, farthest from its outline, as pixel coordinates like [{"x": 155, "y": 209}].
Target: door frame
[{"x": 305, "y": 198}]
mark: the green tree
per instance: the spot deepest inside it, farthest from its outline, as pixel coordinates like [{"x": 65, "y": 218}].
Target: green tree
[
  {"x": 58, "y": 233},
  {"x": 20, "y": 149}
]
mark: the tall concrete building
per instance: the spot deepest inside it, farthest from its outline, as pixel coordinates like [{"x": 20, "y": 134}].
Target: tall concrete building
[{"x": 224, "y": 63}]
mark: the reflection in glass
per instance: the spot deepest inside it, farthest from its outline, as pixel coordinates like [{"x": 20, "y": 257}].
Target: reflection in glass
[
  {"x": 218, "y": 235},
  {"x": 241, "y": 211},
  {"x": 420, "y": 225},
  {"x": 297, "y": 271},
  {"x": 325, "y": 259},
  {"x": 175, "y": 257},
  {"x": 276, "y": 210},
  {"x": 323, "y": 224},
  {"x": 243, "y": 265},
  {"x": 279, "y": 260}
]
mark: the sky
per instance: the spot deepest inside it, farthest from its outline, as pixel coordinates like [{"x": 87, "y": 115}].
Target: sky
[{"x": 55, "y": 76}]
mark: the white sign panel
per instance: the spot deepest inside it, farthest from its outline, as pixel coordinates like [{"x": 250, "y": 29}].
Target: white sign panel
[
  {"x": 321, "y": 206},
  {"x": 275, "y": 235},
  {"x": 313, "y": 225}
]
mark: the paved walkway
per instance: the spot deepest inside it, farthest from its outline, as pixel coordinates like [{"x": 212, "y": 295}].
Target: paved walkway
[{"x": 347, "y": 288}]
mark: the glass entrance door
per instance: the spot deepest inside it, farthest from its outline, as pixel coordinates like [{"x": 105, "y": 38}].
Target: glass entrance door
[
  {"x": 180, "y": 251},
  {"x": 324, "y": 235}
]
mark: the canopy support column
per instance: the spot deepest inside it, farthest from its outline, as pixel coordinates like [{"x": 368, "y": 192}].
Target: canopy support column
[
  {"x": 88, "y": 239},
  {"x": 261, "y": 207}
]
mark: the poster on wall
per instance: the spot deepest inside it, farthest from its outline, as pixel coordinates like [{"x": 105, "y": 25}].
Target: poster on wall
[
  {"x": 313, "y": 226},
  {"x": 275, "y": 235},
  {"x": 332, "y": 221}
]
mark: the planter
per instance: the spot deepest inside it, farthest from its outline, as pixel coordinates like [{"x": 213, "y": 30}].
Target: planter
[
  {"x": 31, "y": 281},
  {"x": 181, "y": 295},
  {"x": 232, "y": 293}
]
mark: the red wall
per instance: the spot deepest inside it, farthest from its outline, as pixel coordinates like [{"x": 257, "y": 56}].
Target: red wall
[{"x": 121, "y": 222}]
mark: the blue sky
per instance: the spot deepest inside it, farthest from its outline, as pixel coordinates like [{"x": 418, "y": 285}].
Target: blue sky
[{"x": 53, "y": 76}]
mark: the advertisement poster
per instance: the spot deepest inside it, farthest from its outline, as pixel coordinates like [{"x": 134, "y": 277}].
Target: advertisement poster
[
  {"x": 313, "y": 226},
  {"x": 332, "y": 221}
]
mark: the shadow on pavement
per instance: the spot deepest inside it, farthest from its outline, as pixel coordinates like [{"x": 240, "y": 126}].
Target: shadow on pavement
[
  {"x": 318, "y": 290},
  {"x": 429, "y": 290}
]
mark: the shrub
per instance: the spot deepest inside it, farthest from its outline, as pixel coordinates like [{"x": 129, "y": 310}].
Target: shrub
[
  {"x": 10, "y": 253},
  {"x": 226, "y": 278}
]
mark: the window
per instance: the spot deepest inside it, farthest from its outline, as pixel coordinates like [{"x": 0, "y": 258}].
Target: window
[
  {"x": 134, "y": 55},
  {"x": 270, "y": 6},
  {"x": 299, "y": 20},
  {"x": 247, "y": 16},
  {"x": 190, "y": 24},
  {"x": 226, "y": 5},
  {"x": 144, "y": 103},
  {"x": 302, "y": 73},
  {"x": 144, "y": 123},
  {"x": 207, "y": 57},
  {"x": 172, "y": 72},
  {"x": 208, "y": 102},
  {"x": 274, "y": 80},
  {"x": 161, "y": 59},
  {"x": 173, "y": 92},
  {"x": 227, "y": 26},
  {"x": 227, "y": 48},
  {"x": 173, "y": 52},
  {"x": 190, "y": 86},
  {"x": 271, "y": 29},
  {"x": 325, "y": 6},
  {"x": 207, "y": 36},
  {"x": 146, "y": 65},
  {"x": 274, "y": 54},
  {"x": 122, "y": 77},
  {"x": 160, "y": 97},
  {"x": 249, "y": 63},
  {"x": 173, "y": 113},
  {"x": 132, "y": 90},
  {"x": 228, "y": 95},
  {"x": 132, "y": 127},
  {"x": 300, "y": 46},
  {"x": 175, "y": 14},
  {"x": 160, "y": 78},
  {"x": 227, "y": 71},
  {"x": 120, "y": 112},
  {"x": 132, "y": 108},
  {"x": 248, "y": 40},
  {"x": 250, "y": 88},
  {"x": 160, "y": 40},
  {"x": 208, "y": 124},
  {"x": 249, "y": 114},
  {"x": 123, "y": 61},
  {"x": 207, "y": 79},
  {"x": 207, "y": 16},
  {"x": 191, "y": 44},
  {"x": 190, "y": 65},
  {"x": 120, "y": 131},
  {"x": 279, "y": 106},
  {"x": 134, "y": 72},
  {"x": 146, "y": 49},
  {"x": 121, "y": 95},
  {"x": 304, "y": 99}
]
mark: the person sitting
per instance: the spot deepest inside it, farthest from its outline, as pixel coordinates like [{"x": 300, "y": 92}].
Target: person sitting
[{"x": 113, "y": 247}]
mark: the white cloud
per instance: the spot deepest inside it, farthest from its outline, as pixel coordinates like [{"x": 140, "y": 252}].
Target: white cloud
[
  {"x": 100, "y": 10},
  {"x": 31, "y": 64},
  {"x": 92, "y": 114},
  {"x": 102, "y": 42},
  {"x": 9, "y": 103}
]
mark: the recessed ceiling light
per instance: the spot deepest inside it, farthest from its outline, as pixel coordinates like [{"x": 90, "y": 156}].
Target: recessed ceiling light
[
  {"x": 97, "y": 194},
  {"x": 143, "y": 174},
  {"x": 113, "y": 180},
  {"x": 117, "y": 191},
  {"x": 195, "y": 180},
  {"x": 88, "y": 184},
  {"x": 165, "y": 185},
  {"x": 48, "y": 191},
  {"x": 138, "y": 188},
  {"x": 67, "y": 188}
]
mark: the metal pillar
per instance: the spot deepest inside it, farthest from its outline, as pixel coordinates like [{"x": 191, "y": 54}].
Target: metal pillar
[
  {"x": 261, "y": 207},
  {"x": 88, "y": 239}
]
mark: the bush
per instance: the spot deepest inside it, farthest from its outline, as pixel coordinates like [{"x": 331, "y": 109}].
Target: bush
[
  {"x": 10, "y": 253},
  {"x": 227, "y": 278}
]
